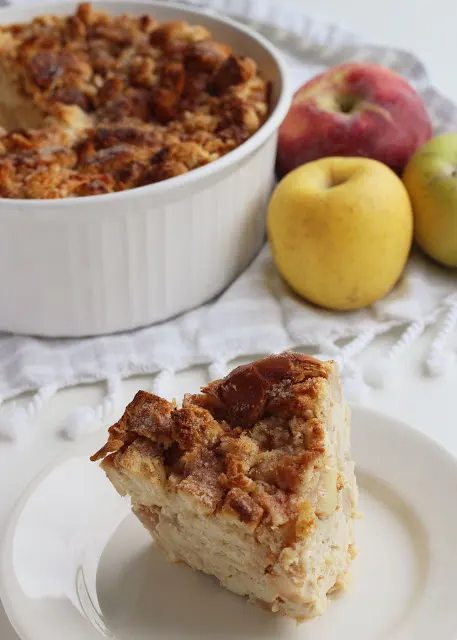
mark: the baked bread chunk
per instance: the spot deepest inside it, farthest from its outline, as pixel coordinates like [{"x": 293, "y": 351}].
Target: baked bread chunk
[
  {"x": 251, "y": 481},
  {"x": 93, "y": 103}
]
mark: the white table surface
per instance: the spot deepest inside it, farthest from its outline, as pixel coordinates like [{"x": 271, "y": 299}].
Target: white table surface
[{"x": 428, "y": 29}]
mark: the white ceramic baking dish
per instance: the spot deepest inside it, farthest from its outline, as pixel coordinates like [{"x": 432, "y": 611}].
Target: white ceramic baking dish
[{"x": 101, "y": 264}]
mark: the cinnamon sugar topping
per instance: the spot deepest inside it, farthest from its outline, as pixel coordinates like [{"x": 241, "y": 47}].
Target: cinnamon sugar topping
[{"x": 245, "y": 446}]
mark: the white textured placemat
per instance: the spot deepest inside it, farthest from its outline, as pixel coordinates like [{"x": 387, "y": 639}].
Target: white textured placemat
[{"x": 258, "y": 313}]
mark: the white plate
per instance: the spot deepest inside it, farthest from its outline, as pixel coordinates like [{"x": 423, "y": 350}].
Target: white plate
[{"x": 76, "y": 565}]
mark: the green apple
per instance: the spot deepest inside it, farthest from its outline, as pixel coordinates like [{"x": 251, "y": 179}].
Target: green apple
[{"x": 431, "y": 180}]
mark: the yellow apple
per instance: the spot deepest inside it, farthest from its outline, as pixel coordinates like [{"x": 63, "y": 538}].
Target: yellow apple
[
  {"x": 431, "y": 179},
  {"x": 340, "y": 231}
]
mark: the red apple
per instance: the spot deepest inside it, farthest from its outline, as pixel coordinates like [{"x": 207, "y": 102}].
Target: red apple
[{"x": 354, "y": 109}]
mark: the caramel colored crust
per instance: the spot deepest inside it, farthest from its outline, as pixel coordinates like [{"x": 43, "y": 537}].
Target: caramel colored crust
[
  {"x": 245, "y": 447},
  {"x": 119, "y": 102}
]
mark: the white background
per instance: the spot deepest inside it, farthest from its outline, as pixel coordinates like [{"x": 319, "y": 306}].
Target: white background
[{"x": 428, "y": 28}]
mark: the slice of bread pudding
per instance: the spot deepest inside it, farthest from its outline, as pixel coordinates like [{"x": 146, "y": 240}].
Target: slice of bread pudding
[{"x": 251, "y": 481}]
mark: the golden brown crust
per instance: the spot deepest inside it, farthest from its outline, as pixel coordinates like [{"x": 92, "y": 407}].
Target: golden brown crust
[
  {"x": 148, "y": 416},
  {"x": 244, "y": 447},
  {"x": 138, "y": 100},
  {"x": 239, "y": 505},
  {"x": 247, "y": 393}
]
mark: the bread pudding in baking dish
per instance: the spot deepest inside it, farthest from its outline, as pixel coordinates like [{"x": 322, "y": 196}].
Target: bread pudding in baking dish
[
  {"x": 92, "y": 103},
  {"x": 251, "y": 481}
]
